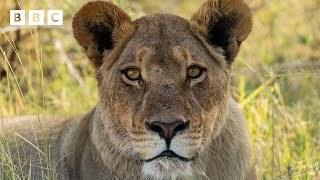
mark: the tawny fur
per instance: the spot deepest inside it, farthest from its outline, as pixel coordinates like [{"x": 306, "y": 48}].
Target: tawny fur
[{"x": 112, "y": 141}]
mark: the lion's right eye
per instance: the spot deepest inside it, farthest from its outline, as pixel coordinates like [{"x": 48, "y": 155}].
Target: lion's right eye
[
  {"x": 132, "y": 74},
  {"x": 194, "y": 72}
]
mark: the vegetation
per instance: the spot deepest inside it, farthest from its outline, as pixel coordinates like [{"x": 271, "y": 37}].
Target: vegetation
[{"x": 276, "y": 77}]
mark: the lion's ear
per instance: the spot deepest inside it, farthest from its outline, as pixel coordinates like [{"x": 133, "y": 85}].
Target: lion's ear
[
  {"x": 98, "y": 26},
  {"x": 224, "y": 23}
]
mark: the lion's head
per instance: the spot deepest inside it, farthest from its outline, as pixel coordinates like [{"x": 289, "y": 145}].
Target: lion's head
[{"x": 163, "y": 80}]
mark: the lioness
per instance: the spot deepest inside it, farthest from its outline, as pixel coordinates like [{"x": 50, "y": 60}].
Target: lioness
[{"x": 165, "y": 109}]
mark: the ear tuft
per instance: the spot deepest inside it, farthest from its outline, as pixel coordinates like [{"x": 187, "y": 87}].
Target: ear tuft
[
  {"x": 98, "y": 26},
  {"x": 224, "y": 23}
]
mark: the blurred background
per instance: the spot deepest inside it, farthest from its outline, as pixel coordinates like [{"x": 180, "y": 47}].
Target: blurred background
[{"x": 276, "y": 77}]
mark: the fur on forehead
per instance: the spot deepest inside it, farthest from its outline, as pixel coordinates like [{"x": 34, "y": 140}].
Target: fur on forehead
[
  {"x": 99, "y": 27},
  {"x": 179, "y": 54}
]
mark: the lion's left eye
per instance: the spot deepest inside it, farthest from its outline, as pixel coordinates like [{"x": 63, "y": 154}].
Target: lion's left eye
[
  {"x": 194, "y": 72},
  {"x": 132, "y": 74}
]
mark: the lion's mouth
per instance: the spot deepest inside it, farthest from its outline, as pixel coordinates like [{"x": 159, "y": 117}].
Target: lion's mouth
[{"x": 169, "y": 154}]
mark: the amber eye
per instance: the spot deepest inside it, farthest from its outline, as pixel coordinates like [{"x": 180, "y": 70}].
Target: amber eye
[
  {"x": 132, "y": 74},
  {"x": 194, "y": 72}
]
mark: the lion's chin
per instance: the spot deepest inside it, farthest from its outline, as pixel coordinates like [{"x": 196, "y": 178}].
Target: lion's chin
[{"x": 166, "y": 168}]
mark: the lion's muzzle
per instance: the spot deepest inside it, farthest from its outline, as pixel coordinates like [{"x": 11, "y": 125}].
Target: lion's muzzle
[{"x": 167, "y": 130}]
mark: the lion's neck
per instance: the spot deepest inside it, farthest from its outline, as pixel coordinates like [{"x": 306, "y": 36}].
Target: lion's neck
[
  {"x": 88, "y": 152},
  {"x": 229, "y": 152},
  {"x": 116, "y": 162}
]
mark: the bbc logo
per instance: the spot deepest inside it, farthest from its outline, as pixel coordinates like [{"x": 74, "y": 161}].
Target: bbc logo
[{"x": 36, "y": 17}]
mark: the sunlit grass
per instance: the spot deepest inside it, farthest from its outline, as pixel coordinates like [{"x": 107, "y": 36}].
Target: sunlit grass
[
  {"x": 13, "y": 162},
  {"x": 284, "y": 137}
]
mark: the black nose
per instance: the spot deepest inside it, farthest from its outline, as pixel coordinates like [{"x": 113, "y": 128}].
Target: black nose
[{"x": 167, "y": 130}]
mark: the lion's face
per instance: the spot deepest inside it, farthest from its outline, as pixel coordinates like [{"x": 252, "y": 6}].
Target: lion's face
[
  {"x": 164, "y": 93},
  {"x": 163, "y": 84}
]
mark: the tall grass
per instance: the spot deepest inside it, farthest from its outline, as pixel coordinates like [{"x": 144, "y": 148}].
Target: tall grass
[
  {"x": 282, "y": 107},
  {"x": 284, "y": 128},
  {"x": 15, "y": 160}
]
